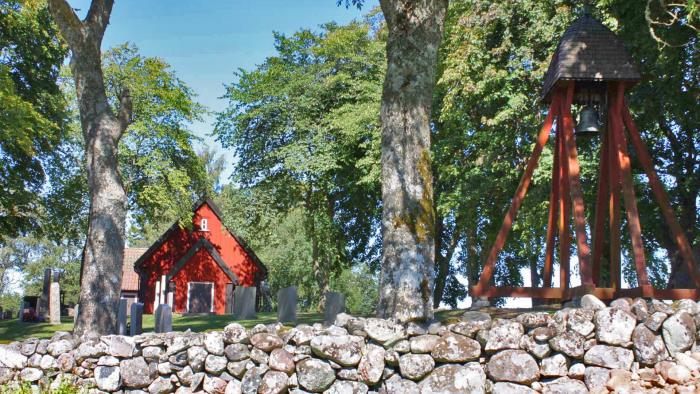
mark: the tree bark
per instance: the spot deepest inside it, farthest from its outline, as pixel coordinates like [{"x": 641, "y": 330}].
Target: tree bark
[
  {"x": 408, "y": 219},
  {"x": 101, "y": 272}
]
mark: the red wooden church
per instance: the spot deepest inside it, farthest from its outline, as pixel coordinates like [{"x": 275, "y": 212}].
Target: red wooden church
[{"x": 195, "y": 270}]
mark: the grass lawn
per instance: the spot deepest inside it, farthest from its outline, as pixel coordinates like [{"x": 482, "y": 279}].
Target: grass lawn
[{"x": 13, "y": 330}]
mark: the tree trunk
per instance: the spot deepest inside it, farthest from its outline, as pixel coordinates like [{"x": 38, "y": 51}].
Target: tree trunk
[
  {"x": 408, "y": 220},
  {"x": 101, "y": 273}
]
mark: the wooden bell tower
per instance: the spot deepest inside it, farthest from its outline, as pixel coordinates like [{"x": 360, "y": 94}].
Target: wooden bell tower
[{"x": 590, "y": 67}]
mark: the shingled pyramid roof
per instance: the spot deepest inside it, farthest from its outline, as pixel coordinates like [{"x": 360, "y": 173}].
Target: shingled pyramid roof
[{"x": 589, "y": 51}]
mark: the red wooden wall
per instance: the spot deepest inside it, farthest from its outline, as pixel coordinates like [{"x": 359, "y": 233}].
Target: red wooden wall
[{"x": 201, "y": 267}]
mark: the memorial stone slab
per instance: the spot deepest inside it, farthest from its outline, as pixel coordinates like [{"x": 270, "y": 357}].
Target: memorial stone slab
[
  {"x": 20, "y": 315},
  {"x": 42, "y": 304},
  {"x": 287, "y": 304},
  {"x": 55, "y": 303},
  {"x": 164, "y": 318},
  {"x": 136, "y": 327},
  {"x": 244, "y": 303},
  {"x": 76, "y": 310},
  {"x": 335, "y": 304},
  {"x": 121, "y": 317}
]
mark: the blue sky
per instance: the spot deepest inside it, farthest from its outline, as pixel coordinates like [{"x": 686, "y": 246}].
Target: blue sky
[{"x": 206, "y": 41}]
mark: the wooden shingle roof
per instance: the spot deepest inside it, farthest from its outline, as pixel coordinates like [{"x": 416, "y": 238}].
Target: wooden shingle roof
[{"x": 589, "y": 51}]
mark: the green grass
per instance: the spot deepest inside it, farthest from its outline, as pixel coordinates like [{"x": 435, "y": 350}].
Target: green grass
[{"x": 14, "y": 330}]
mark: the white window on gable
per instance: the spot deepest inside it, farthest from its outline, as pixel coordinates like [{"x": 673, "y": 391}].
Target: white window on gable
[{"x": 203, "y": 225}]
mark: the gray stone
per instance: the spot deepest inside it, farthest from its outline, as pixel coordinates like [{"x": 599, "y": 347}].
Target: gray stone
[
  {"x": 372, "y": 364},
  {"x": 214, "y": 343},
  {"x": 345, "y": 387},
  {"x": 649, "y": 347},
  {"x": 273, "y": 382},
  {"x": 244, "y": 303},
  {"x": 136, "y": 373},
  {"x": 252, "y": 379},
  {"x": 455, "y": 348},
  {"x": 415, "y": 366},
  {"x": 515, "y": 366},
  {"x": 344, "y": 350},
  {"x": 287, "y": 304},
  {"x": 214, "y": 385},
  {"x": 504, "y": 336},
  {"x": 537, "y": 349},
  {"x": 589, "y": 301},
  {"x": 121, "y": 317},
  {"x": 237, "y": 352},
  {"x": 65, "y": 362},
  {"x": 234, "y": 387},
  {"x": 42, "y": 304},
  {"x": 31, "y": 374},
  {"x": 533, "y": 319},
  {"x": 119, "y": 346},
  {"x": 136, "y": 326},
  {"x": 281, "y": 360},
  {"x": 577, "y": 371},
  {"x": 108, "y": 378},
  {"x": 55, "y": 303},
  {"x": 109, "y": 361},
  {"x": 164, "y": 318},
  {"x": 334, "y": 304},
  {"x": 454, "y": 379},
  {"x": 12, "y": 358},
  {"x": 423, "y": 343},
  {"x": 565, "y": 386},
  {"x": 384, "y": 331},
  {"x": 596, "y": 377},
  {"x": 235, "y": 333},
  {"x": 511, "y": 388},
  {"x": 640, "y": 308},
  {"x": 569, "y": 343},
  {"x": 315, "y": 375},
  {"x": 160, "y": 385},
  {"x": 679, "y": 332},
  {"x": 556, "y": 365},
  {"x": 259, "y": 356},
  {"x": 59, "y": 347},
  {"x": 609, "y": 357},
  {"x": 266, "y": 341},
  {"x": 580, "y": 321},
  {"x": 152, "y": 352},
  {"x": 655, "y": 320},
  {"x": 238, "y": 368},
  {"x": 614, "y": 326},
  {"x": 215, "y": 364}
]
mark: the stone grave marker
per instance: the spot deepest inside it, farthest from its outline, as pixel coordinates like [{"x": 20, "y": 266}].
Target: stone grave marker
[
  {"x": 55, "y": 303},
  {"x": 20, "y": 315},
  {"x": 335, "y": 304},
  {"x": 164, "y": 318},
  {"x": 76, "y": 310},
  {"x": 42, "y": 304},
  {"x": 287, "y": 304},
  {"x": 136, "y": 327},
  {"x": 244, "y": 303},
  {"x": 121, "y": 317}
]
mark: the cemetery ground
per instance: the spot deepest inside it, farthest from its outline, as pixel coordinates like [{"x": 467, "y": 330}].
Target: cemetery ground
[{"x": 14, "y": 330}]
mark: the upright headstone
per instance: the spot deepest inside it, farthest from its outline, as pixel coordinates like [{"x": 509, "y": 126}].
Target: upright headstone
[
  {"x": 244, "y": 303},
  {"x": 20, "y": 315},
  {"x": 121, "y": 317},
  {"x": 42, "y": 304},
  {"x": 287, "y": 304},
  {"x": 335, "y": 304},
  {"x": 164, "y": 318},
  {"x": 55, "y": 303},
  {"x": 136, "y": 327},
  {"x": 157, "y": 302},
  {"x": 76, "y": 310}
]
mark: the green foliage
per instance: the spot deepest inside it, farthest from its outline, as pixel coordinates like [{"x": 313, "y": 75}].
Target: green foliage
[
  {"x": 32, "y": 109},
  {"x": 65, "y": 387},
  {"x": 305, "y": 129}
]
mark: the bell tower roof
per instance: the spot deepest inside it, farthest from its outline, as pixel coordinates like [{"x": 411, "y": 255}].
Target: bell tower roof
[{"x": 589, "y": 51}]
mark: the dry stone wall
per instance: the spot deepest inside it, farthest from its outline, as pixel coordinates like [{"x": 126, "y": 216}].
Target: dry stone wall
[{"x": 628, "y": 346}]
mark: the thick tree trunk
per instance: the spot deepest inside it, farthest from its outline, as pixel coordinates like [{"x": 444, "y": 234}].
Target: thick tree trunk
[
  {"x": 103, "y": 253},
  {"x": 408, "y": 220}
]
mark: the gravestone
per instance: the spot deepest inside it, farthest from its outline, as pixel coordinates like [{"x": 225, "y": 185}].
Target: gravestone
[
  {"x": 55, "y": 303},
  {"x": 335, "y": 304},
  {"x": 76, "y": 310},
  {"x": 42, "y": 304},
  {"x": 20, "y": 315},
  {"x": 244, "y": 303},
  {"x": 164, "y": 318},
  {"x": 136, "y": 327},
  {"x": 287, "y": 304},
  {"x": 121, "y": 317}
]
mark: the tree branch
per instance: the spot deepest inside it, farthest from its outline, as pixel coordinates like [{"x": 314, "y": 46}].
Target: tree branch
[
  {"x": 97, "y": 18},
  {"x": 68, "y": 22}
]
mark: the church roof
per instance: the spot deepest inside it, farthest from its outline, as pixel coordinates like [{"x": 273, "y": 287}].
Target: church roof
[{"x": 589, "y": 51}]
